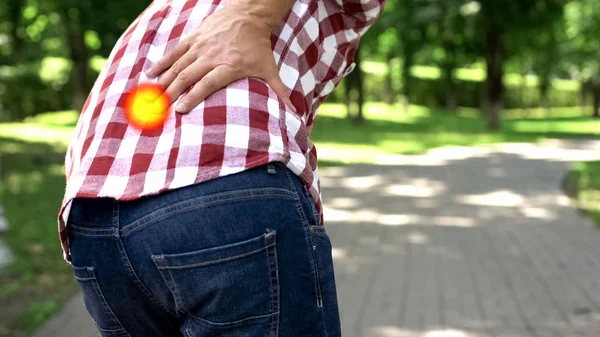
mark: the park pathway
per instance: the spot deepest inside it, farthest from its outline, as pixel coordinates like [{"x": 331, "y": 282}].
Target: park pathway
[{"x": 458, "y": 242}]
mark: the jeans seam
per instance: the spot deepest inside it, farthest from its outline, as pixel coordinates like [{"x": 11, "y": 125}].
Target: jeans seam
[
  {"x": 204, "y": 264},
  {"x": 129, "y": 268},
  {"x": 92, "y": 232},
  {"x": 230, "y": 324},
  {"x": 310, "y": 245},
  {"x": 140, "y": 223},
  {"x": 313, "y": 206},
  {"x": 275, "y": 289},
  {"x": 103, "y": 301}
]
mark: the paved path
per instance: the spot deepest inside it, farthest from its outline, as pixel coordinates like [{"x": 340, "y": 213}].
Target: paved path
[{"x": 460, "y": 242}]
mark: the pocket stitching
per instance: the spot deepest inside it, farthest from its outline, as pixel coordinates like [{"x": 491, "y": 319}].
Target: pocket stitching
[
  {"x": 167, "y": 276},
  {"x": 205, "y": 264},
  {"x": 227, "y": 325},
  {"x": 100, "y": 296},
  {"x": 274, "y": 268}
]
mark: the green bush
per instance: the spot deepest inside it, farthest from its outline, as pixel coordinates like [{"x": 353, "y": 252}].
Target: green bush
[{"x": 23, "y": 93}]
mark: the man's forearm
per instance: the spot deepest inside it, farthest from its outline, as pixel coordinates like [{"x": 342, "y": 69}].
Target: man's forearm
[{"x": 271, "y": 12}]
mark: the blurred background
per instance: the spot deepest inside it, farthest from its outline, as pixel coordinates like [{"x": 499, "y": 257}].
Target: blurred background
[{"x": 431, "y": 74}]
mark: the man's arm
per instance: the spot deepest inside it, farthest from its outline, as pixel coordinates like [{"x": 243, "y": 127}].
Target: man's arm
[{"x": 229, "y": 45}]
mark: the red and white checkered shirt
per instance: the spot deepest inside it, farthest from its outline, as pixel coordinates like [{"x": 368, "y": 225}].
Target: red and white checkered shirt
[{"x": 237, "y": 128}]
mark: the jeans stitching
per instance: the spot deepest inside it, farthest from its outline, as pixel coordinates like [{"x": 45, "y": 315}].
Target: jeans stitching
[
  {"x": 313, "y": 206},
  {"x": 167, "y": 277},
  {"x": 195, "y": 204},
  {"x": 92, "y": 232},
  {"x": 107, "y": 309},
  {"x": 274, "y": 277},
  {"x": 309, "y": 243},
  {"x": 127, "y": 263},
  {"x": 231, "y": 258},
  {"x": 230, "y": 324}
]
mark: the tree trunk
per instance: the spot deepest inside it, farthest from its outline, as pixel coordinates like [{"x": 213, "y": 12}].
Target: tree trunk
[
  {"x": 522, "y": 88},
  {"x": 596, "y": 91},
  {"x": 446, "y": 26},
  {"x": 583, "y": 94},
  {"x": 544, "y": 89},
  {"x": 495, "y": 72},
  {"x": 451, "y": 103},
  {"x": 15, "y": 15},
  {"x": 360, "y": 87},
  {"x": 449, "y": 68},
  {"x": 389, "y": 95},
  {"x": 79, "y": 56},
  {"x": 407, "y": 78},
  {"x": 355, "y": 88},
  {"x": 347, "y": 92}
]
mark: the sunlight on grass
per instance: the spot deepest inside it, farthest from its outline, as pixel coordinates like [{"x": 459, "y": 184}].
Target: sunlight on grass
[
  {"x": 67, "y": 117},
  {"x": 37, "y": 133},
  {"x": 387, "y": 130},
  {"x": 584, "y": 125},
  {"x": 542, "y": 113},
  {"x": 474, "y": 74}
]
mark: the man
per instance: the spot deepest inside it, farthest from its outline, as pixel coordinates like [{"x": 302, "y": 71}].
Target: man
[{"x": 160, "y": 247}]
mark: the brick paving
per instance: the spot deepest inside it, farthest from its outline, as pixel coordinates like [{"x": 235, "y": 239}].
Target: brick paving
[{"x": 459, "y": 242}]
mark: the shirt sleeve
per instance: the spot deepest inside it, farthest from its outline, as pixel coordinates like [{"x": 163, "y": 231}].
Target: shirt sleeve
[
  {"x": 342, "y": 24},
  {"x": 363, "y": 13}
]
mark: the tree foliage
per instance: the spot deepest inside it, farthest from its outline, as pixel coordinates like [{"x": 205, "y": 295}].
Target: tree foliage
[{"x": 48, "y": 45}]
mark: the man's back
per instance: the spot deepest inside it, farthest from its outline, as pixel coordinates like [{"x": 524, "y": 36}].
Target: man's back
[{"x": 239, "y": 127}]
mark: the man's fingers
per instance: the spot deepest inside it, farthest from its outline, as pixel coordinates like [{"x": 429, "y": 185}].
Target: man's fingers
[
  {"x": 187, "y": 78},
  {"x": 217, "y": 79},
  {"x": 180, "y": 65},
  {"x": 172, "y": 56},
  {"x": 280, "y": 89}
]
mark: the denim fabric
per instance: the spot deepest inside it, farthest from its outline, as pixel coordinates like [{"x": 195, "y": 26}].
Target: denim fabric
[{"x": 243, "y": 255}]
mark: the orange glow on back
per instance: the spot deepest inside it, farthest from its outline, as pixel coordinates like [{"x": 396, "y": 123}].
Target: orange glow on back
[{"x": 146, "y": 107}]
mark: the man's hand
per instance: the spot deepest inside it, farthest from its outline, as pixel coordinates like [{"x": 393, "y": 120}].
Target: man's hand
[{"x": 231, "y": 44}]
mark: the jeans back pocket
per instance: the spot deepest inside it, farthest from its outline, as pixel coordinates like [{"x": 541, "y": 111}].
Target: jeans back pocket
[{"x": 225, "y": 286}]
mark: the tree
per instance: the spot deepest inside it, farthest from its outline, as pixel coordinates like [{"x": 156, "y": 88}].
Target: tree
[
  {"x": 499, "y": 19},
  {"x": 582, "y": 26},
  {"x": 354, "y": 87}
]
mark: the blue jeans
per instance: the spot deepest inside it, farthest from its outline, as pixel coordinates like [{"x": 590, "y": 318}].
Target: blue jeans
[{"x": 243, "y": 255}]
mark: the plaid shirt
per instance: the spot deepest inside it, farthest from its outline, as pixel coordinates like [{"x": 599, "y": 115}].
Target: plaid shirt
[{"x": 237, "y": 128}]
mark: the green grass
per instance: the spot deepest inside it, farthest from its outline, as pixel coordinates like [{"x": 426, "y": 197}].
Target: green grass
[
  {"x": 387, "y": 130},
  {"x": 32, "y": 180},
  {"x": 31, "y": 190},
  {"x": 586, "y": 176}
]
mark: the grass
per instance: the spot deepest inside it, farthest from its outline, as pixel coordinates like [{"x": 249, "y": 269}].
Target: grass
[
  {"x": 388, "y": 131},
  {"x": 32, "y": 180},
  {"x": 31, "y": 190},
  {"x": 586, "y": 176}
]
